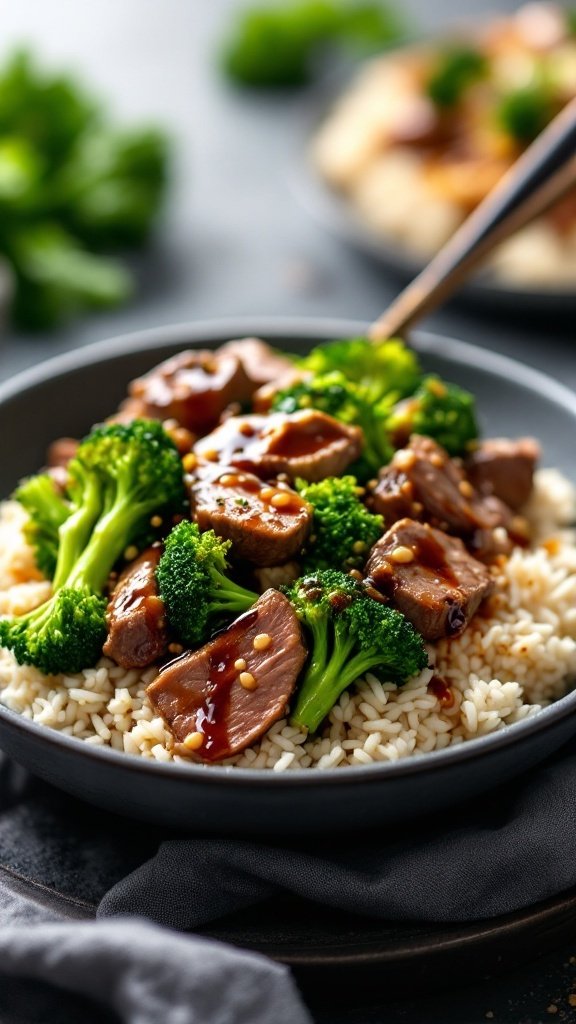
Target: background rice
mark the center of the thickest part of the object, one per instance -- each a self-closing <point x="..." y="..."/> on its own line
<point x="519" y="654"/>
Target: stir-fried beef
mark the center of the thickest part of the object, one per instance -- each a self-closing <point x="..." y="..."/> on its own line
<point x="137" y="632"/>
<point x="60" y="452"/>
<point x="261" y="363"/>
<point x="193" y="388"/>
<point x="504" y="468"/>
<point x="422" y="482"/>
<point x="307" y="444"/>
<point x="263" y="398"/>
<point x="222" y="698"/>
<point x="266" y="523"/>
<point x="428" y="576"/>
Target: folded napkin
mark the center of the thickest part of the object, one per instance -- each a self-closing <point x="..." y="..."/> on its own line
<point x="499" y="853"/>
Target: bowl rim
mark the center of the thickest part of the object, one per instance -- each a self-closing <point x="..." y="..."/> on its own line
<point x="278" y="329"/>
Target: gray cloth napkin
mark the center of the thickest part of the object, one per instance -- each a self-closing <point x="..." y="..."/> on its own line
<point x="505" y="851"/>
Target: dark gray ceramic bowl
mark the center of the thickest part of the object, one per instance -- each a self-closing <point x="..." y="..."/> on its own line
<point x="68" y="394"/>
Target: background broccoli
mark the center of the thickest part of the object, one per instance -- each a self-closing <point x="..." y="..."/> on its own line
<point x="120" y="476"/>
<point x="194" y="585"/>
<point x="332" y="393"/>
<point x="437" y="409"/>
<point x="350" y="634"/>
<point x="47" y="510"/>
<point x="343" y="530"/>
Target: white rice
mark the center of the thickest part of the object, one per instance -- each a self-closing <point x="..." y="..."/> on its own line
<point x="515" y="657"/>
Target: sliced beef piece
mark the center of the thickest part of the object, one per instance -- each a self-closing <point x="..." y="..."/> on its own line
<point x="192" y="388"/>
<point x="266" y="523"/>
<point x="137" y="631"/>
<point x="422" y="482"/>
<point x="261" y="363"/>
<point x="428" y="576"/>
<point x="222" y="698"/>
<point x="504" y="468"/>
<point x="307" y="444"/>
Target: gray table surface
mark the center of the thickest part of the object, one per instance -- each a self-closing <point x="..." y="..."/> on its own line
<point x="235" y="241"/>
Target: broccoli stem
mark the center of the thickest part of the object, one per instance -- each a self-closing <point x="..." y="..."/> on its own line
<point x="75" y="531"/>
<point x="325" y="677"/>
<point x="231" y="597"/>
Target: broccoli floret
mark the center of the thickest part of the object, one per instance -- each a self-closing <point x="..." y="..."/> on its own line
<point x="385" y="370"/>
<point x="437" y="409"/>
<point x="350" y="634"/>
<point x="458" y="68"/>
<point x="343" y="530"/>
<point x="332" y="393"/>
<point x="275" y="47"/>
<point x="525" y="112"/>
<point x="47" y="510"/>
<point x="120" y="476"/>
<point x="194" y="585"/>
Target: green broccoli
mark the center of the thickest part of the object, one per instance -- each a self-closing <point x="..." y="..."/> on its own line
<point x="275" y="47"/>
<point x="350" y="634"/>
<point x="120" y="476"/>
<point x="47" y="510"/>
<point x="332" y="393"/>
<point x="457" y="68"/>
<point x="525" y="112"/>
<point x="194" y="585"/>
<point x="437" y="409"/>
<point x="386" y="370"/>
<point x="343" y="529"/>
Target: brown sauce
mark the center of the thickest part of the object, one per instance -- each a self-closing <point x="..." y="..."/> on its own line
<point x="441" y="690"/>
<point x="429" y="554"/>
<point x="212" y="716"/>
<point x="300" y="439"/>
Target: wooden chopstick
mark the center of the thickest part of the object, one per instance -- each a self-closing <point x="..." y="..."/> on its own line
<point x="541" y="176"/>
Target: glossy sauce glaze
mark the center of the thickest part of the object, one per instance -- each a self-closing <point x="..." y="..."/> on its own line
<point x="276" y="497"/>
<point x="442" y="691"/>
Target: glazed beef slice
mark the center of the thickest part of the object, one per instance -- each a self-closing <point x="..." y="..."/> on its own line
<point x="428" y="576"/>
<point x="505" y="468"/>
<point x="262" y="364"/>
<point x="307" y="444"/>
<point x="137" y="632"/>
<point x="193" y="388"/>
<point x="222" y="698"/>
<point x="266" y="524"/>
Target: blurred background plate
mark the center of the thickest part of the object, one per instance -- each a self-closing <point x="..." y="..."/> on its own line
<point x="336" y="214"/>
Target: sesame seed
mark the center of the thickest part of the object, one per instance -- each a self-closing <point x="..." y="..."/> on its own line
<point x="358" y="547"/>
<point x="211" y="455"/>
<point x="261" y="642"/>
<point x="437" y="388"/>
<point x="175" y="648"/>
<point x="246" y="429"/>
<point x="240" y="664"/>
<point x="189" y="462"/>
<point x="246" y="679"/>
<point x="228" y="480"/>
<point x="466" y="489"/>
<point x="401" y="555"/>
<point x="156" y="521"/>
<point x="267" y="493"/>
<point x="407" y="489"/>
<point x="437" y="460"/>
<point x="281" y="500"/>
<point x="130" y="553"/>
<point x="355" y="574"/>
<point x="194" y="740"/>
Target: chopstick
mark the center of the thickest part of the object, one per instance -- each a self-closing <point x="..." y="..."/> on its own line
<point x="541" y="176"/>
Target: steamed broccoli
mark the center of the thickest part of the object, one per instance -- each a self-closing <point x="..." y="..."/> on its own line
<point x="332" y="393"/>
<point x="276" y="47"/>
<point x="386" y="370"/>
<point x="350" y="634"/>
<point x="47" y="511"/>
<point x="120" y="476"/>
<point x="457" y="68"/>
<point x="525" y="112"/>
<point x="437" y="409"/>
<point x="343" y="529"/>
<point x="193" y="583"/>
